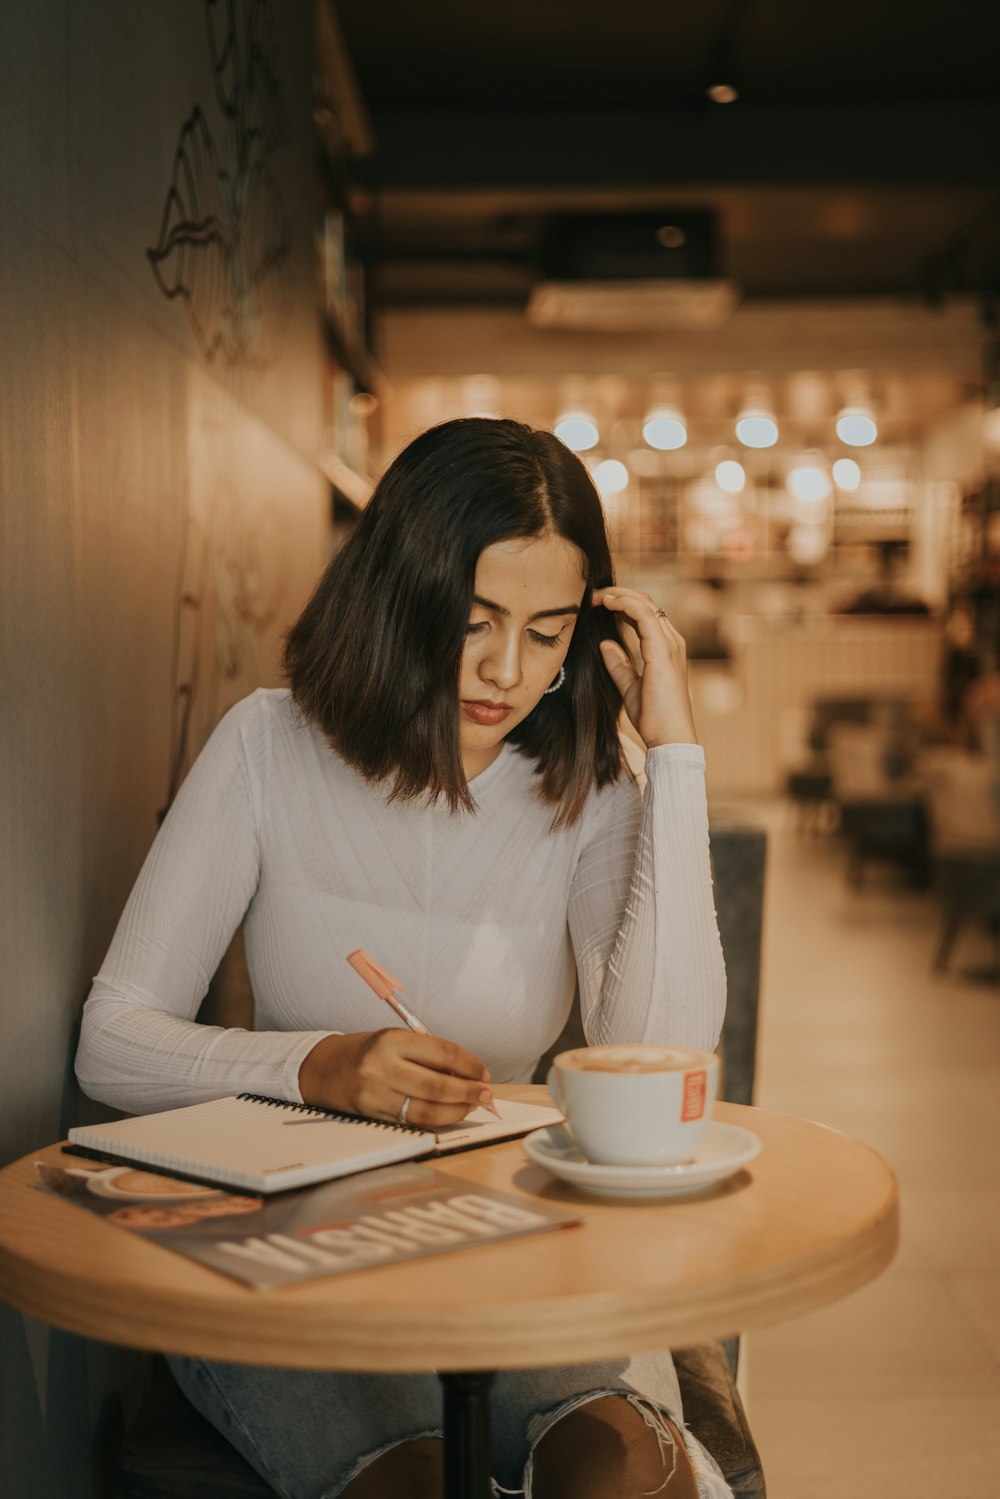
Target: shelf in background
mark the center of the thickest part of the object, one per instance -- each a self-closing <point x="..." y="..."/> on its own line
<point x="354" y="486"/>
<point x="353" y="354"/>
<point x="341" y="114"/>
<point x="343" y="246"/>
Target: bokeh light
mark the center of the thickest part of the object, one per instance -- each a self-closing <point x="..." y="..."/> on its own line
<point x="757" y="429"/>
<point x="856" y="427"/>
<point x="665" y="430"/>
<point x="809" y="483"/>
<point x="847" y="475"/>
<point x="578" y="431"/>
<point x="730" y="476"/>
<point x="611" y="477"/>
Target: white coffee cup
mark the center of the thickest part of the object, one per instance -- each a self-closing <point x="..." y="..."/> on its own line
<point x="635" y="1105"/>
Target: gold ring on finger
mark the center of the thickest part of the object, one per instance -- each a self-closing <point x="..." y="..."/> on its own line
<point x="401" y="1116"/>
<point x="661" y="614"/>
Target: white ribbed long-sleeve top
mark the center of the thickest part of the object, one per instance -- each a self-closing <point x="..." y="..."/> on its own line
<point x="486" y="917"/>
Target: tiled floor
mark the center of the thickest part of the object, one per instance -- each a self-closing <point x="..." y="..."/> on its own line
<point x="893" y="1393"/>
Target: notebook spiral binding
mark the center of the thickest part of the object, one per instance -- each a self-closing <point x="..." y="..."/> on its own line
<point x="308" y="1108"/>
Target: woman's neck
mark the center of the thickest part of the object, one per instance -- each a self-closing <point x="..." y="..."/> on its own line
<point x="475" y="761"/>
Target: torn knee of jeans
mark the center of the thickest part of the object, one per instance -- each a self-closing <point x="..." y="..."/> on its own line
<point x="367" y="1458"/>
<point x="708" y="1475"/>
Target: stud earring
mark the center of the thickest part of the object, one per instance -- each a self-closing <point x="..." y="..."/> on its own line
<point x="560" y="679"/>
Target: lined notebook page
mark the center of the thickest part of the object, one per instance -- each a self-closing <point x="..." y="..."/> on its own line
<point x="252" y="1143"/>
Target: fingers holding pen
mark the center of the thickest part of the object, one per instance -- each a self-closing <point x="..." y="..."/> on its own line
<point x="372" y="1072"/>
<point x="441" y="1080"/>
<point x="435" y="1073"/>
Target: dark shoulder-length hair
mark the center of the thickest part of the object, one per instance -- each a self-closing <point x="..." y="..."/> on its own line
<point x="374" y="660"/>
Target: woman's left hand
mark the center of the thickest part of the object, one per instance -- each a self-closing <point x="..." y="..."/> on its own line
<point x="657" y="701"/>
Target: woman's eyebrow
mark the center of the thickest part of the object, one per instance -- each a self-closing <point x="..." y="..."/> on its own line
<point x="541" y="614"/>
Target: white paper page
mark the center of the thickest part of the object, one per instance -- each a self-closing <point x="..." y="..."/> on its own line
<point x="480" y="1127"/>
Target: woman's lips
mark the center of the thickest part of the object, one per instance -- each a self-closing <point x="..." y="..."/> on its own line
<point x="485" y="712"/>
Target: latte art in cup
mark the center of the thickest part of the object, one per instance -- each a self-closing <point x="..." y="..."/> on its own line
<point x="627" y="1059"/>
<point x="636" y="1105"/>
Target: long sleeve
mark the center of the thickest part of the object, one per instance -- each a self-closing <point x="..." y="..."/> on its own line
<point x="140" y="1046"/>
<point x="642" y="915"/>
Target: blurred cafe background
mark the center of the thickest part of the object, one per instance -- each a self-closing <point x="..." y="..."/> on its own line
<point x="744" y="257"/>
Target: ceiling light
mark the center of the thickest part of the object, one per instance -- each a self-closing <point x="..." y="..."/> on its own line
<point x="665" y="430"/>
<point x="847" y="475"/>
<point x="856" y="427"/>
<point x="809" y="483"/>
<point x="578" y="431"/>
<point x="730" y="476"/>
<point x="722" y="88"/>
<point x="757" y="429"/>
<point x="611" y="477"/>
<point x="671" y="236"/>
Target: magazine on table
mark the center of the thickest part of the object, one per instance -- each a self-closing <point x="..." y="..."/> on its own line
<point x="379" y="1217"/>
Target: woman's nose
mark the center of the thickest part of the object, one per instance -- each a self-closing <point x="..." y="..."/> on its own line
<point x="503" y="665"/>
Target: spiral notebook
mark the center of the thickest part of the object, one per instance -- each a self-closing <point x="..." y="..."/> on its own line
<point x="266" y="1145"/>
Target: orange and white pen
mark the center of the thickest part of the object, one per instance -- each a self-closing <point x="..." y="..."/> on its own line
<point x="384" y="985"/>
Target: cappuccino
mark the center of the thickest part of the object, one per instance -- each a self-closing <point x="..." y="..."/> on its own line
<point x="629" y="1059"/>
<point x="635" y="1105"/>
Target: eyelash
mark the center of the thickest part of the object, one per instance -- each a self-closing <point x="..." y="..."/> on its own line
<point x="536" y="635"/>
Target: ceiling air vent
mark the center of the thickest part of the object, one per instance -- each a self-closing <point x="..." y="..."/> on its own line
<point x="634" y="273"/>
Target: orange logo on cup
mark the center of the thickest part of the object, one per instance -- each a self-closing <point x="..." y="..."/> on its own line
<point x="694" y="1095"/>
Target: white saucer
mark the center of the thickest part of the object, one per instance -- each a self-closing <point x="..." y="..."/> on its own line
<point x="723" y="1150"/>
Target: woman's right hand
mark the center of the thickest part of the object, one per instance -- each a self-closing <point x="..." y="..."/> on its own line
<point x="372" y="1072"/>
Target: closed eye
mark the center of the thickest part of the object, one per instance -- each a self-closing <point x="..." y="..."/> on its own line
<point x="538" y="636"/>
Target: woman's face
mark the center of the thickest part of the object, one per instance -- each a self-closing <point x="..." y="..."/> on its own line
<point x="528" y="592"/>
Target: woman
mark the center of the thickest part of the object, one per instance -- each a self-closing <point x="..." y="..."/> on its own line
<point x="443" y="785"/>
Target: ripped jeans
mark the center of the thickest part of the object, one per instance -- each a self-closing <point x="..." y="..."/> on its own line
<point x="309" y="1433"/>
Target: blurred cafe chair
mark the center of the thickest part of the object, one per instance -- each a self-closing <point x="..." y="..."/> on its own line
<point x="172" y="1452"/>
<point x="856" y="756"/>
<point x="963" y="802"/>
<point x="808" y="783"/>
<point x="827" y="711"/>
<point x="981" y="713"/>
<point x="845" y="750"/>
<point x="882" y="813"/>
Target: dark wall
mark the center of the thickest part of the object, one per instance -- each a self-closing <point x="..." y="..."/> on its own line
<point x="161" y="520"/>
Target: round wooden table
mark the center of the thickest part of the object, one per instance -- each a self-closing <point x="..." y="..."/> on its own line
<point x="812" y="1218"/>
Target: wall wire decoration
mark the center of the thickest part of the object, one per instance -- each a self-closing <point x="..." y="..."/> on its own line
<point x="231" y="581"/>
<point x="224" y="241"/>
<point x="224" y="234"/>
